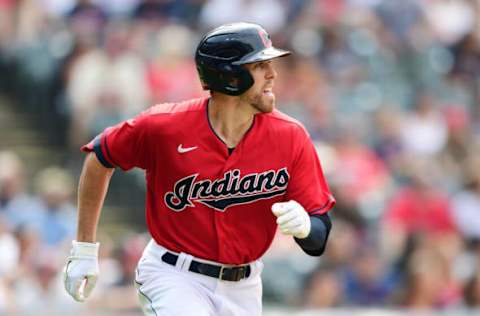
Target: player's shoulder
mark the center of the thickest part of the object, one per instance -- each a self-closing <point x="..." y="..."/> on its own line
<point x="179" y="108"/>
<point x="283" y="122"/>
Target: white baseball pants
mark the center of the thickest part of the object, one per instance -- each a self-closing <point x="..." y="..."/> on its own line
<point x="164" y="289"/>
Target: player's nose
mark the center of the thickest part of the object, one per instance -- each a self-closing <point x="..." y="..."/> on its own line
<point x="271" y="72"/>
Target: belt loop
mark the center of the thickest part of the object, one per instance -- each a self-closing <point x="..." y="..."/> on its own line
<point x="188" y="262"/>
<point x="180" y="261"/>
<point x="184" y="261"/>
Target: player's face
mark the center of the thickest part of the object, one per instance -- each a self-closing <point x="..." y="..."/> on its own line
<point x="260" y="96"/>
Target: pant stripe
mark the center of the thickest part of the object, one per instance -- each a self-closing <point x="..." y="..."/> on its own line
<point x="144" y="295"/>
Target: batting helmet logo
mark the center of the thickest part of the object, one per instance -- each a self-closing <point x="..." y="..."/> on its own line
<point x="267" y="42"/>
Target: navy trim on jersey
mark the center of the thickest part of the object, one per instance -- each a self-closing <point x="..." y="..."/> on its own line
<point x="210" y="124"/>
<point x="215" y="133"/>
<point x="321" y="208"/>
<point x="97" y="148"/>
<point x="107" y="150"/>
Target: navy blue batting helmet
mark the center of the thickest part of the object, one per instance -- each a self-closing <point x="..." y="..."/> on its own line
<point x="222" y="52"/>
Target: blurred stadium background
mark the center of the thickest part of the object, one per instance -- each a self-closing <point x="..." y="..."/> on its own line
<point x="389" y="91"/>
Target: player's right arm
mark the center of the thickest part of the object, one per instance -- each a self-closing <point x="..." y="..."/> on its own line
<point x="126" y="146"/>
<point x="81" y="270"/>
<point x="92" y="190"/>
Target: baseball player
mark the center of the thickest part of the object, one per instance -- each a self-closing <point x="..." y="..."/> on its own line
<point x="222" y="173"/>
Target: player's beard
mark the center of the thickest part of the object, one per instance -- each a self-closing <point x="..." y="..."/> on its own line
<point x="262" y="102"/>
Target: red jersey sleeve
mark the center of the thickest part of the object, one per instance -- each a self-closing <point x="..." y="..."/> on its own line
<point x="307" y="184"/>
<point x="123" y="145"/>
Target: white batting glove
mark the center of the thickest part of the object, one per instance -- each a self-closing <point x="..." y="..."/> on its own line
<point x="81" y="271"/>
<point x="292" y="219"/>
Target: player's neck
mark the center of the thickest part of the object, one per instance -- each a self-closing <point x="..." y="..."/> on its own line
<point x="229" y="118"/>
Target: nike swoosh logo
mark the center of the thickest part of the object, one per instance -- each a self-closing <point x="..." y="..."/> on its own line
<point x="182" y="150"/>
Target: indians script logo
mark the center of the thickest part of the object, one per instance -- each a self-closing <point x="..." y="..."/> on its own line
<point x="232" y="189"/>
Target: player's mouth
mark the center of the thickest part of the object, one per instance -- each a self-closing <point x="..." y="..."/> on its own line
<point x="268" y="91"/>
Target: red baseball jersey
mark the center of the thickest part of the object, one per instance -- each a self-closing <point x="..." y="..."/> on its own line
<point x="201" y="199"/>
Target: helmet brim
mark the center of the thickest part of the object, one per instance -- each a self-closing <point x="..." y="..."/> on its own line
<point x="265" y="54"/>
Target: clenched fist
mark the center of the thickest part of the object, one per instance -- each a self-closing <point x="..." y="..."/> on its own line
<point x="81" y="271"/>
<point x="292" y="219"/>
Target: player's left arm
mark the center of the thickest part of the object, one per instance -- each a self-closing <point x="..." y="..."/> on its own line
<point x="305" y="216"/>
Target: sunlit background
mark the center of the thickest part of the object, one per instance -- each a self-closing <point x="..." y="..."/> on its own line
<point x="388" y="89"/>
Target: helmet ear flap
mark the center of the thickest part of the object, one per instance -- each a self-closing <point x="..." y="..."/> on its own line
<point x="223" y="76"/>
<point x="236" y="79"/>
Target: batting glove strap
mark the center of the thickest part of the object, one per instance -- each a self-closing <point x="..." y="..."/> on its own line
<point x="84" y="249"/>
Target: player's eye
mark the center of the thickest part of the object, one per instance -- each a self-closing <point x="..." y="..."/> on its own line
<point x="261" y="65"/>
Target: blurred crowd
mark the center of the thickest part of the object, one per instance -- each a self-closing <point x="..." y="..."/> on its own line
<point x="389" y="91"/>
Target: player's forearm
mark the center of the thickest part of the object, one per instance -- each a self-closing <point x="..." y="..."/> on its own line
<point x="314" y="244"/>
<point x="92" y="189"/>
